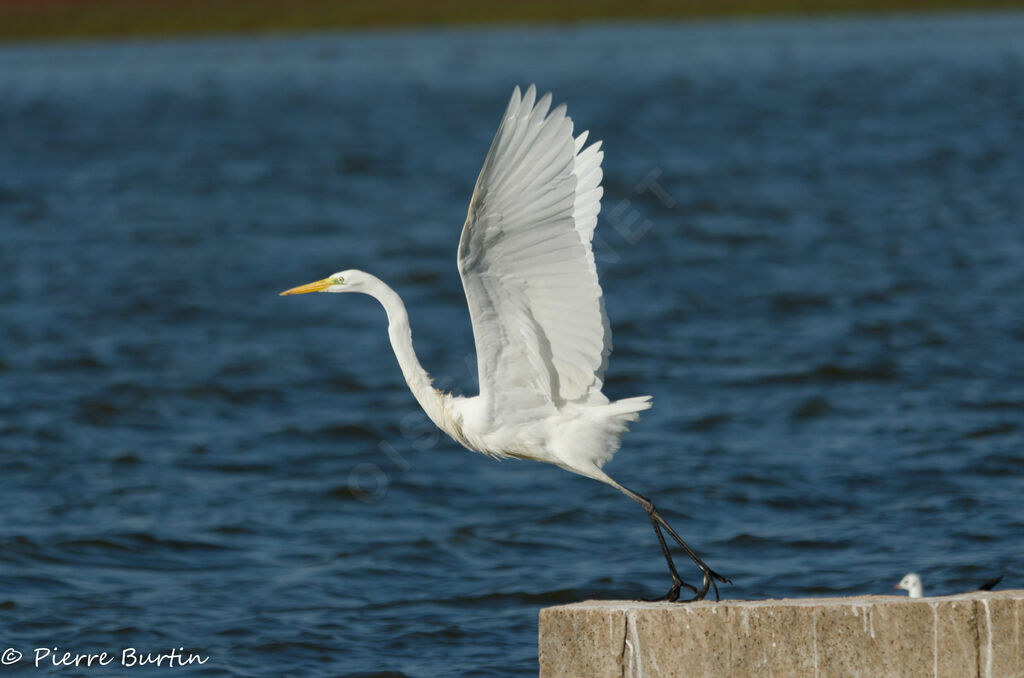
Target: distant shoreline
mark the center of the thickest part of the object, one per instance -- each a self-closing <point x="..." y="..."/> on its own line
<point x="49" y="19"/>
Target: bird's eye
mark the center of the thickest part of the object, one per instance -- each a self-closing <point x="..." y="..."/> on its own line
<point x="338" y="280"/>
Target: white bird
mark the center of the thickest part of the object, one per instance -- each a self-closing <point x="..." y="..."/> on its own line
<point x="542" y="336"/>
<point x="911" y="583"/>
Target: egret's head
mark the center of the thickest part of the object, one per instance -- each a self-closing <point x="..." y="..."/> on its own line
<point x="342" y="281"/>
<point x="912" y="584"/>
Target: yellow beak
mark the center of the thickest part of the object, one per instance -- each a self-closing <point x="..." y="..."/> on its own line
<point x="318" y="286"/>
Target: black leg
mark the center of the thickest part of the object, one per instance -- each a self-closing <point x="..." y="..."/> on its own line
<point x="658" y="522"/>
<point x="677" y="582"/>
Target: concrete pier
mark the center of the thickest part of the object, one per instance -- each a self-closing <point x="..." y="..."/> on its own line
<point x="978" y="634"/>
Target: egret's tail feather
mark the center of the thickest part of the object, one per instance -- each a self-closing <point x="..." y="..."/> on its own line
<point x="629" y="409"/>
<point x="596" y="445"/>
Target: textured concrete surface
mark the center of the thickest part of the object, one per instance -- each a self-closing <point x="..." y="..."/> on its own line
<point x="976" y="634"/>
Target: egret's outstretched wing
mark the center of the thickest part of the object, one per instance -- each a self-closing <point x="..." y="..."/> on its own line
<point x="542" y="336"/>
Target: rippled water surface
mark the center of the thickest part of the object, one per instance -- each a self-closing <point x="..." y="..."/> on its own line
<point x="821" y="284"/>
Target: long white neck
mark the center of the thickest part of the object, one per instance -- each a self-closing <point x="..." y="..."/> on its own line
<point x="429" y="398"/>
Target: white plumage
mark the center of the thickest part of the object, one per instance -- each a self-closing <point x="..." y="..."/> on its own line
<point x="541" y="332"/>
<point x="911" y="583"/>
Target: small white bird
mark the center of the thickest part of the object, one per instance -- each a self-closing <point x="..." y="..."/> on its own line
<point x="539" y="323"/>
<point x="912" y="584"/>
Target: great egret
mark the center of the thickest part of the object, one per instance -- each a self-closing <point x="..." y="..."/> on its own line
<point x="539" y="323"/>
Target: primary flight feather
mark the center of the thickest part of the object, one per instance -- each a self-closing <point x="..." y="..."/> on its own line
<point x="541" y="332"/>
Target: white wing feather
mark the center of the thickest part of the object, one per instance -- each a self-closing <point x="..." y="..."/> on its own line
<point x="542" y="335"/>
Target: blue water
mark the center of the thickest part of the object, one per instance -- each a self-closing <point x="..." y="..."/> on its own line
<point x="819" y="279"/>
